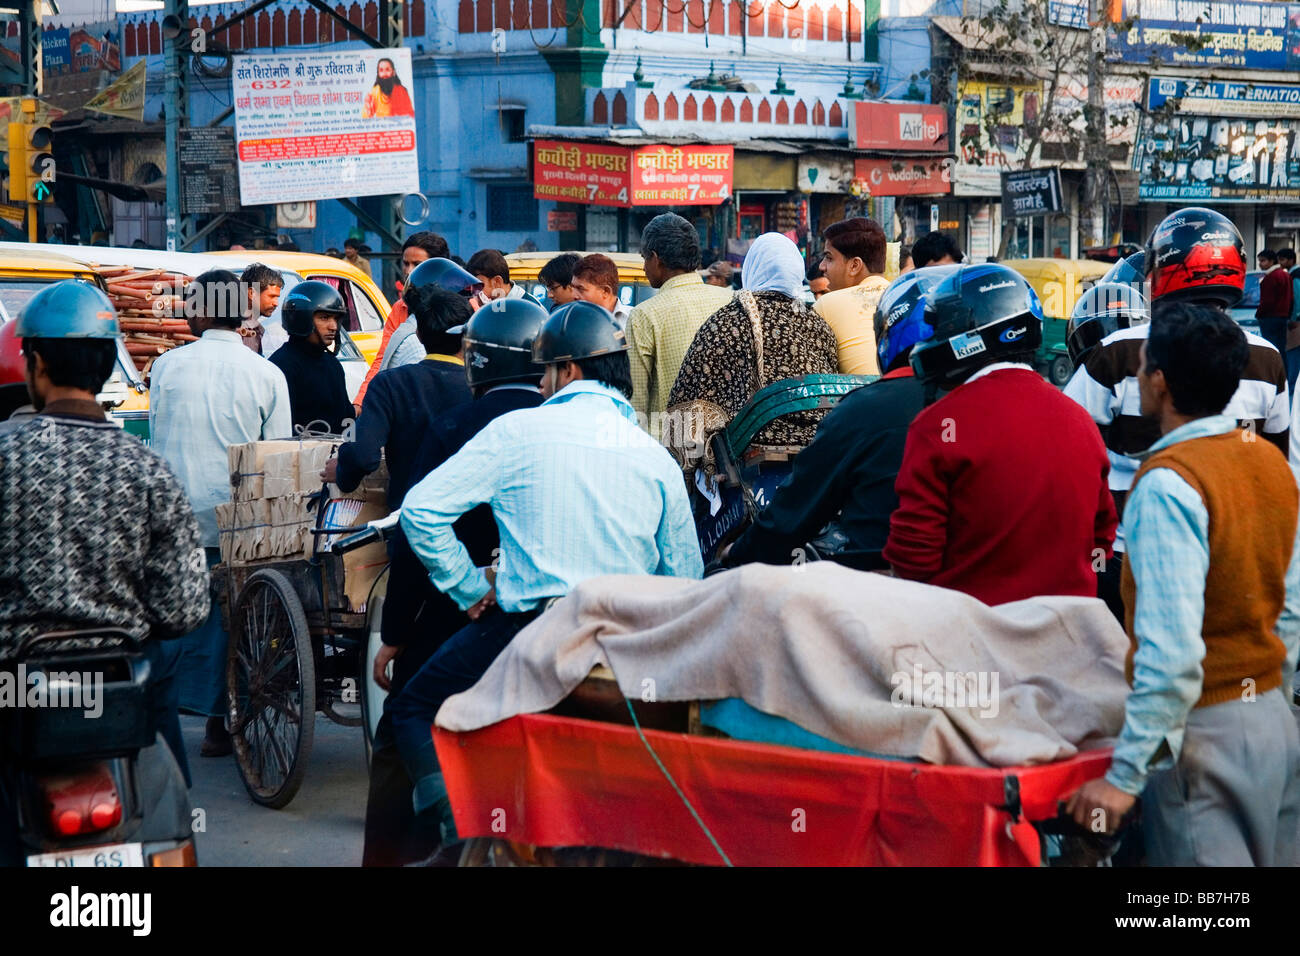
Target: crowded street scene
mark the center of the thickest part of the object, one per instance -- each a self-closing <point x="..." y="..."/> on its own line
<point x="650" y="434"/>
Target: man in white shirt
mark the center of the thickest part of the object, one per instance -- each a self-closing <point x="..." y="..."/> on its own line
<point x="203" y="398"/>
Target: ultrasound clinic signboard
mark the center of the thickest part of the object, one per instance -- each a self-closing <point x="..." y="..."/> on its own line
<point x="1031" y="192"/>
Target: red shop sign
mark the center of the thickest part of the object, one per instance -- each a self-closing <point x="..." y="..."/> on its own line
<point x="905" y="177"/>
<point x="911" y="126"/>
<point x="620" y="176"/>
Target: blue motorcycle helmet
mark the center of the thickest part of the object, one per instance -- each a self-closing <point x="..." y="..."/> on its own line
<point x="900" y="314"/>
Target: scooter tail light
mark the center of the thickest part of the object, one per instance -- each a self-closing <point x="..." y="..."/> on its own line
<point x="82" y="802"/>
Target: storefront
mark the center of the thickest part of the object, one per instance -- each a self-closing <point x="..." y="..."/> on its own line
<point x="609" y="191"/>
<point x="1231" y="145"/>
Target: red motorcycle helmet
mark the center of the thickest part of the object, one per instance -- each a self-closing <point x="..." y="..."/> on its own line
<point x="13" y="367"/>
<point x="1196" y="255"/>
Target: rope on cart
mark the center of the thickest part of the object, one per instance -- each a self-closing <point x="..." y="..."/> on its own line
<point x="664" y="770"/>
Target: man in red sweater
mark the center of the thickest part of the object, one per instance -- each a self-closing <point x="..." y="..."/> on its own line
<point x="1274" y="300"/>
<point x="1002" y="492"/>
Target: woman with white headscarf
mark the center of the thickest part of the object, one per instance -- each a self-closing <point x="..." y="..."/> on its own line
<point x="761" y="336"/>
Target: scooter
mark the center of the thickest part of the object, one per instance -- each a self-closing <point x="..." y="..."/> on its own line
<point x="84" y="772"/>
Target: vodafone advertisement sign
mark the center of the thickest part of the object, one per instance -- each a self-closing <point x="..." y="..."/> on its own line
<point x="905" y="177"/>
<point x="899" y="126"/>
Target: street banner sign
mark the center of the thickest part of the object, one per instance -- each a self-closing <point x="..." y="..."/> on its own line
<point x="314" y="126"/>
<point x="124" y="97"/>
<point x="1031" y="192"/>
<point x="599" y="175"/>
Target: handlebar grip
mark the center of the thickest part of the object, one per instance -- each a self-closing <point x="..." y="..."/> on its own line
<point x="358" y="540"/>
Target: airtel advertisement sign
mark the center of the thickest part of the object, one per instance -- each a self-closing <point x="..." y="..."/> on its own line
<point x="905" y="177"/>
<point x="899" y="126"/>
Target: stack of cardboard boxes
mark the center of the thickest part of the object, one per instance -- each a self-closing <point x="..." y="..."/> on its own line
<point x="272" y="515"/>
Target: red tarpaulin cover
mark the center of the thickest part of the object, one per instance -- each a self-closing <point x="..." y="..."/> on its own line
<point x="560" y="781"/>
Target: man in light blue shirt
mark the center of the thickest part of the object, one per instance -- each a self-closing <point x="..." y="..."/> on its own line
<point x="1212" y="593"/>
<point x="577" y="490"/>
<point x="203" y="398"/>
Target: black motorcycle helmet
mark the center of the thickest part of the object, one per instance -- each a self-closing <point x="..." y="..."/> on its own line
<point x="1196" y="255"/>
<point x="575" y="331"/>
<point x="980" y="314"/>
<point x="443" y="273"/>
<point x="499" y="343"/>
<point x="1103" y="309"/>
<point x="299" y="307"/>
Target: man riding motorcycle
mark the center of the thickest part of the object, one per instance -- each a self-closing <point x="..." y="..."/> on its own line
<point x="577" y="490"/>
<point x="500" y="373"/>
<point x="95" y="531"/>
<point x="1193" y="255"/>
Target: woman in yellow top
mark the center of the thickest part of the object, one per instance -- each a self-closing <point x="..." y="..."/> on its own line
<point x="854" y="262"/>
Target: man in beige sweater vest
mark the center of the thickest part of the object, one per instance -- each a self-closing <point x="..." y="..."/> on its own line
<point x="1212" y="605"/>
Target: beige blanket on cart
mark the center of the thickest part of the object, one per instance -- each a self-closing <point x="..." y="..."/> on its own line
<point x="869" y="661"/>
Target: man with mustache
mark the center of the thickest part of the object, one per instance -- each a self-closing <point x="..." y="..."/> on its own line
<point x="388" y="97"/>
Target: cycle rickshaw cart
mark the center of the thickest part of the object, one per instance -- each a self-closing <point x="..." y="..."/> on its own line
<point x="298" y="646"/>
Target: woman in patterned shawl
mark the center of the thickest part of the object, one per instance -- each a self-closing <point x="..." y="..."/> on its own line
<point x="763" y="335"/>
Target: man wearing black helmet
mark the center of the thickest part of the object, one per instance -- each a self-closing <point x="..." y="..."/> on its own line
<point x="1002" y="492"/>
<point x="577" y="490"/>
<point x="317" y="390"/>
<point x="1194" y="255"/>
<point x="405" y="401"/>
<point x="497" y="349"/>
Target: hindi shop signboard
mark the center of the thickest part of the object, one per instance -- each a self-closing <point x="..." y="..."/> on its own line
<point x="912" y="126"/>
<point x="905" y="177"/>
<point x="1251" y="35"/>
<point x="1031" y="192"/>
<point x="314" y="126"/>
<point x="599" y="175"/>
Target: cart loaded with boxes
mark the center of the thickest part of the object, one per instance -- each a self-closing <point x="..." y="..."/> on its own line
<point x="299" y="611"/>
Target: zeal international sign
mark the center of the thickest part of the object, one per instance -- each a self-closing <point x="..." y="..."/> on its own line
<point x="600" y="175"/>
<point x="324" y="125"/>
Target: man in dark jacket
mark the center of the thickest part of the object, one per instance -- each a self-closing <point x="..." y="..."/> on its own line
<point x="403" y="403"/>
<point x="498" y="367"/>
<point x="317" y="390"/>
<point x="845" y="478"/>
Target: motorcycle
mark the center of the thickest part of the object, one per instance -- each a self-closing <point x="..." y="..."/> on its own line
<point x="85" y="776"/>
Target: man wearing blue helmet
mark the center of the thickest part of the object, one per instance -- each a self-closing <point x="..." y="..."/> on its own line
<point x="95" y="529"/>
<point x="845" y="477"/>
<point x="1002" y="491"/>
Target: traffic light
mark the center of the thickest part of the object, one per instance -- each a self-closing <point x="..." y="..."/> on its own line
<point x="31" y="162"/>
<point x="39" y="166"/>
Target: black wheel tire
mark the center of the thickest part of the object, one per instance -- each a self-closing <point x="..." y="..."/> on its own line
<point x="269" y="633"/>
<point x="1059" y="370"/>
<point x="371" y="694"/>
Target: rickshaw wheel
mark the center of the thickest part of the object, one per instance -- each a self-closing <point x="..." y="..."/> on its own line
<point x="271" y="688"/>
<point x="372" y="695"/>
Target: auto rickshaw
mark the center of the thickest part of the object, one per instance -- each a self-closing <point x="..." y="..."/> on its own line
<point x="1059" y="283"/>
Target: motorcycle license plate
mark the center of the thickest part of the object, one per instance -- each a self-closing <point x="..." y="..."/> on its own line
<point x="112" y="855"/>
